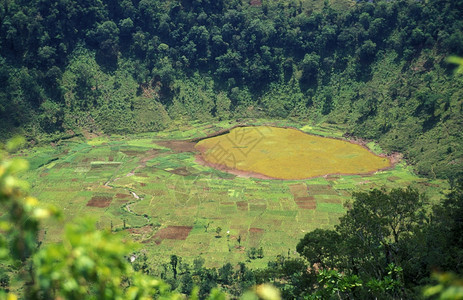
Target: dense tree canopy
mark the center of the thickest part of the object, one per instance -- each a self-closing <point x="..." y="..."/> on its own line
<point x="56" y="59"/>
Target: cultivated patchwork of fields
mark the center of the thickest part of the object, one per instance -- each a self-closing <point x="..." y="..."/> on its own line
<point x="150" y="187"/>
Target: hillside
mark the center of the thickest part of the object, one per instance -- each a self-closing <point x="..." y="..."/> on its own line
<point x="132" y="66"/>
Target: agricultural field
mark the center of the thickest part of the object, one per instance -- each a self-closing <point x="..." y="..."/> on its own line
<point x="151" y="188"/>
<point x="287" y="153"/>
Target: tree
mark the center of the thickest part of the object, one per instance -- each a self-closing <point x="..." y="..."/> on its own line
<point x="106" y="31"/>
<point x="319" y="247"/>
<point x="225" y="274"/>
<point x="367" y="51"/>
<point x="333" y="284"/>
<point x="446" y="241"/>
<point x="229" y="65"/>
<point x="187" y="283"/>
<point x="380" y="229"/>
<point x="251" y="253"/>
<point x="173" y="263"/>
<point x="310" y="67"/>
<point x="222" y="107"/>
<point x="365" y="20"/>
<point x="218" y="230"/>
<point x="52" y="116"/>
<point x="198" y="264"/>
<point x="106" y="36"/>
<point x="206" y="226"/>
<point x="126" y="26"/>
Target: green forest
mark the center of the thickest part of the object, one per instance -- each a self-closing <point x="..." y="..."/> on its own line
<point x="77" y="76"/>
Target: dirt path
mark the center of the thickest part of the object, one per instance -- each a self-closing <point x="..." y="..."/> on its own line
<point x="150" y="155"/>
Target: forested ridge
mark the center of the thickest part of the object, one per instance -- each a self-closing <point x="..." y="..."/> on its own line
<point x="377" y="67"/>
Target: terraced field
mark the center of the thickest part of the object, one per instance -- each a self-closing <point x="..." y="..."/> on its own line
<point x="151" y="187"/>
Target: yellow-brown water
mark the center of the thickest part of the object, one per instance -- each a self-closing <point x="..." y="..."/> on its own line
<point x="287" y="153"/>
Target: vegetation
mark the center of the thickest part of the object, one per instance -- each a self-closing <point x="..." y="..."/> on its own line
<point x="287" y="153"/>
<point x="85" y="264"/>
<point x="384" y="246"/>
<point x="110" y="96"/>
<point x="259" y="231"/>
<point x="133" y="66"/>
<point x="181" y="203"/>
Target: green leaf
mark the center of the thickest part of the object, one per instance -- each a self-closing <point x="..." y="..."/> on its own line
<point x="457" y="61"/>
<point x="15" y="143"/>
<point x="433" y="290"/>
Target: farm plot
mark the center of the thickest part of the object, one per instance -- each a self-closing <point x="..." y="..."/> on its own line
<point x="286" y="153"/>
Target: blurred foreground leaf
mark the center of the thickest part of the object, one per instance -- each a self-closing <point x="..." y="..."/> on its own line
<point x="457" y="61"/>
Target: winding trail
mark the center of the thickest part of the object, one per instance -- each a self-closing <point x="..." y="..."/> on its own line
<point x="126" y="206"/>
